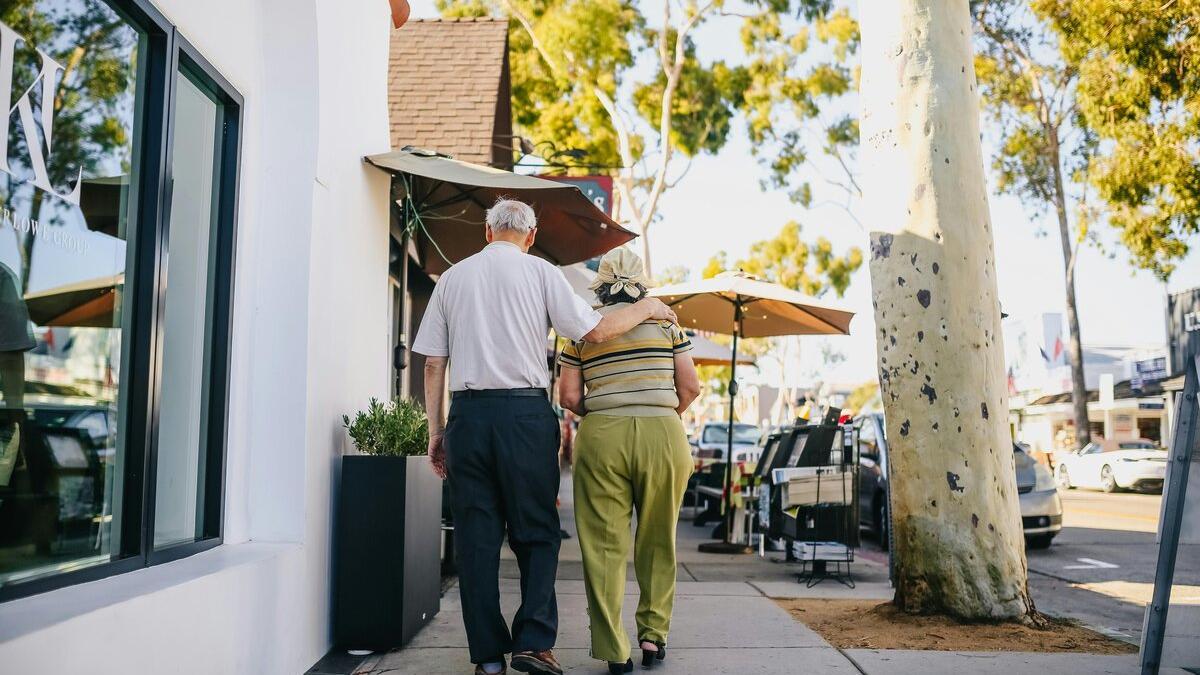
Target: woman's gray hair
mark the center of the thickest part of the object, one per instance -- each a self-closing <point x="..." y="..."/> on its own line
<point x="511" y="215"/>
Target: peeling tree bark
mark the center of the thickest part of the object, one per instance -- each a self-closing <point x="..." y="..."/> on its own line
<point x="957" y="532"/>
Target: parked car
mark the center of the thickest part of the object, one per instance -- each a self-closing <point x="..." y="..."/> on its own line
<point x="713" y="441"/>
<point x="1041" y="507"/>
<point x="1112" y="465"/>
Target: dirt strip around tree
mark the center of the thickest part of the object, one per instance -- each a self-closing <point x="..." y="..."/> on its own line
<point x="869" y="624"/>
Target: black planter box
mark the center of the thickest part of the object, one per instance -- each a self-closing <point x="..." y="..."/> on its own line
<point x="387" y="551"/>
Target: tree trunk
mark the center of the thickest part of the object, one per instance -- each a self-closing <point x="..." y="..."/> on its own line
<point x="645" y="237"/>
<point x="1083" y="434"/>
<point x="957" y="533"/>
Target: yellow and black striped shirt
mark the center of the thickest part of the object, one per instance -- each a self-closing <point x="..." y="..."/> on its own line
<point x="632" y="375"/>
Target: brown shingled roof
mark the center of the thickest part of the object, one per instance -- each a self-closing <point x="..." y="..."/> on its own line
<point x="448" y="89"/>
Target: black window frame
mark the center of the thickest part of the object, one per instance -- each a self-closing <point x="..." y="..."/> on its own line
<point x="167" y="54"/>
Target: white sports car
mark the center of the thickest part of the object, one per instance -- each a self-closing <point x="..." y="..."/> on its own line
<point x="1112" y="465"/>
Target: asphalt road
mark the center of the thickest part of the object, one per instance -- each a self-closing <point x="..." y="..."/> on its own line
<point x="1100" y="568"/>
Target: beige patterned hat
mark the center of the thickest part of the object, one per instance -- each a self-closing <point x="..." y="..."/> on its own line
<point x="621" y="270"/>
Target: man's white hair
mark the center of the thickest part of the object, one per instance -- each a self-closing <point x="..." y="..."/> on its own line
<point x="511" y="215"/>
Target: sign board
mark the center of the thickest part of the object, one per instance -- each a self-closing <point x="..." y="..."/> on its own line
<point x="1149" y="370"/>
<point x="1183" y="329"/>
<point x="599" y="189"/>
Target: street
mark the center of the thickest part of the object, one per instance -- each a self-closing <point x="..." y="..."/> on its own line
<point x="1100" y="568"/>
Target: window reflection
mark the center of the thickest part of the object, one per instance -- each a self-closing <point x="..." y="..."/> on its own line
<point x="64" y="205"/>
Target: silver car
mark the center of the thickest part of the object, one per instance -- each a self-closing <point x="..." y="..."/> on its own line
<point x="1041" y="507"/>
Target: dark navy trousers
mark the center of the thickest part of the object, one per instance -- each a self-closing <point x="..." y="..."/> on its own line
<point x="502" y="457"/>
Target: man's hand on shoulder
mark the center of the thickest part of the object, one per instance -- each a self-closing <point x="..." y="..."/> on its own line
<point x="659" y="311"/>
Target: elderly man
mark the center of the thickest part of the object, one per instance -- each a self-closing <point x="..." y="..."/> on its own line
<point x="488" y="318"/>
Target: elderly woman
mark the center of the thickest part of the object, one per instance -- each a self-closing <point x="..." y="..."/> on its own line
<point x="631" y="453"/>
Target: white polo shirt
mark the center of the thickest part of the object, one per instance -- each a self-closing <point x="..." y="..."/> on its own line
<point x="491" y="314"/>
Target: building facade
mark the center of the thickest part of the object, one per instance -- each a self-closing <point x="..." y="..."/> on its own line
<point x="193" y="293"/>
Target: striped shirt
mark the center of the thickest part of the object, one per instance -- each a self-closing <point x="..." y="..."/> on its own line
<point x="632" y="375"/>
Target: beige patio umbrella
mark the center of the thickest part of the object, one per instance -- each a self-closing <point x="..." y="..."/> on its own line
<point x="737" y="304"/>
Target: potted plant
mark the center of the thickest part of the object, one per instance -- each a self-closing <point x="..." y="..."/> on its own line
<point x="387" y="555"/>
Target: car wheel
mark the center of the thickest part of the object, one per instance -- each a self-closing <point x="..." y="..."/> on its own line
<point x="1064" y="478"/>
<point x="1108" y="482"/>
<point x="1038" y="541"/>
<point x="881" y="522"/>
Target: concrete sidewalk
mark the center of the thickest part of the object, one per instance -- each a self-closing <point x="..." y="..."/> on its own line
<point x="725" y="622"/>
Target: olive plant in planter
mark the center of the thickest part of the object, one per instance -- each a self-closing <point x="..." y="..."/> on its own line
<point x="387" y="557"/>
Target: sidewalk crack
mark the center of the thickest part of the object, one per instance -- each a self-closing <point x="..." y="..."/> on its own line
<point x="851" y="660"/>
<point x="689" y="571"/>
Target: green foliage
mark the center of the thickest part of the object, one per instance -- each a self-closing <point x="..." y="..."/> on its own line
<point x="1138" y="93"/>
<point x="865" y="396"/>
<point x="786" y="259"/>
<point x="704" y="105"/>
<point x="580" y="81"/>
<point x="558" y="106"/>
<point x="789" y="88"/>
<point x="397" y="428"/>
<point x="1103" y="96"/>
<point x="1027" y="91"/>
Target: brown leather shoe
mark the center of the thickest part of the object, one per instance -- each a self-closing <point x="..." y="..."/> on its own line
<point x="480" y="671"/>
<point x="536" y="662"/>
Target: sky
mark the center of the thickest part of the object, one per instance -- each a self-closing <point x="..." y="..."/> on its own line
<point x="720" y="206"/>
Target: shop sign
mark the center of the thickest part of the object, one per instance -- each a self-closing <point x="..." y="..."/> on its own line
<point x="30" y="126"/>
<point x="1149" y="370"/>
<point x="599" y="189"/>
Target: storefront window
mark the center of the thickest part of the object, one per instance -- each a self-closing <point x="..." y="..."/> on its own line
<point x="117" y="204"/>
<point x="182" y="426"/>
<point x="70" y="73"/>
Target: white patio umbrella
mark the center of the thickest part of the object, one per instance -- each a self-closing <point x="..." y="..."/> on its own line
<point x="737" y="304"/>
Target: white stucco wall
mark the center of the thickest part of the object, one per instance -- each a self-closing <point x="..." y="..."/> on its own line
<point x="310" y="342"/>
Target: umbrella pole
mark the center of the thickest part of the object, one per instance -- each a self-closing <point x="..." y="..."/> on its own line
<point x="727" y="546"/>
<point x="400" y="356"/>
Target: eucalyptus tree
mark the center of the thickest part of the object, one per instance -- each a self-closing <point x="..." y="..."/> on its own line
<point x="956" y="536"/>
<point x="1029" y="94"/>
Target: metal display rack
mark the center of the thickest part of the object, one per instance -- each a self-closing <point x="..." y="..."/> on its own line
<point x="805" y="466"/>
<point x="814" y="555"/>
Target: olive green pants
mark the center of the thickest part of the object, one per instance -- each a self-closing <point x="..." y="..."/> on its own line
<point x="623" y="464"/>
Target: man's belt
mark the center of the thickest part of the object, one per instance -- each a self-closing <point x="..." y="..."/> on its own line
<point x="498" y="393"/>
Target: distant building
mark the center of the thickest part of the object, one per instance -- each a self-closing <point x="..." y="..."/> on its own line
<point x="1040" y="398"/>
<point x="1048" y="422"/>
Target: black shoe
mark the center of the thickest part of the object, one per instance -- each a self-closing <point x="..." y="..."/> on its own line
<point x="650" y="656"/>
<point x="619" y="668"/>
